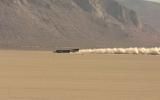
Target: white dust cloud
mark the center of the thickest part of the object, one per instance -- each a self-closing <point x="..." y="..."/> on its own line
<point x="137" y="51"/>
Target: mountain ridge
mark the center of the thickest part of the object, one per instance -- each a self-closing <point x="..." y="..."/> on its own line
<point x="148" y="11"/>
<point x="46" y="24"/>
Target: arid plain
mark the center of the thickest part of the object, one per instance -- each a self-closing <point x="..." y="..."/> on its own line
<point x="43" y="75"/>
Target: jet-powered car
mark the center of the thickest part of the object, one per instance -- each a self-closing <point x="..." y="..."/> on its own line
<point x="67" y="50"/>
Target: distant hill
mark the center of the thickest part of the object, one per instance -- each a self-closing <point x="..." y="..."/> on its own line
<point x="148" y="10"/>
<point x="46" y="24"/>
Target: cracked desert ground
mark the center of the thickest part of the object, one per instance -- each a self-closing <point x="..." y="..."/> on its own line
<point x="43" y="75"/>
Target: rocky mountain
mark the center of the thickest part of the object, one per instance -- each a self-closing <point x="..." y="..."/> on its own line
<point x="46" y="24"/>
<point x="148" y="10"/>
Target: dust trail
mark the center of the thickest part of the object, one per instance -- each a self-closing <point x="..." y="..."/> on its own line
<point x="135" y="50"/>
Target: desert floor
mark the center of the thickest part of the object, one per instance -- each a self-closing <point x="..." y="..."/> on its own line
<point x="38" y="75"/>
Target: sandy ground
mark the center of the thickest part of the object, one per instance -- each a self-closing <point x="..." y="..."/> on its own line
<point x="32" y="75"/>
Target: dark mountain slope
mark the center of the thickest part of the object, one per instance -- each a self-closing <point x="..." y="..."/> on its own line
<point x="45" y="24"/>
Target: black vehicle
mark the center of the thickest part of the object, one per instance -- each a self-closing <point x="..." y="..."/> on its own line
<point x="67" y="50"/>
